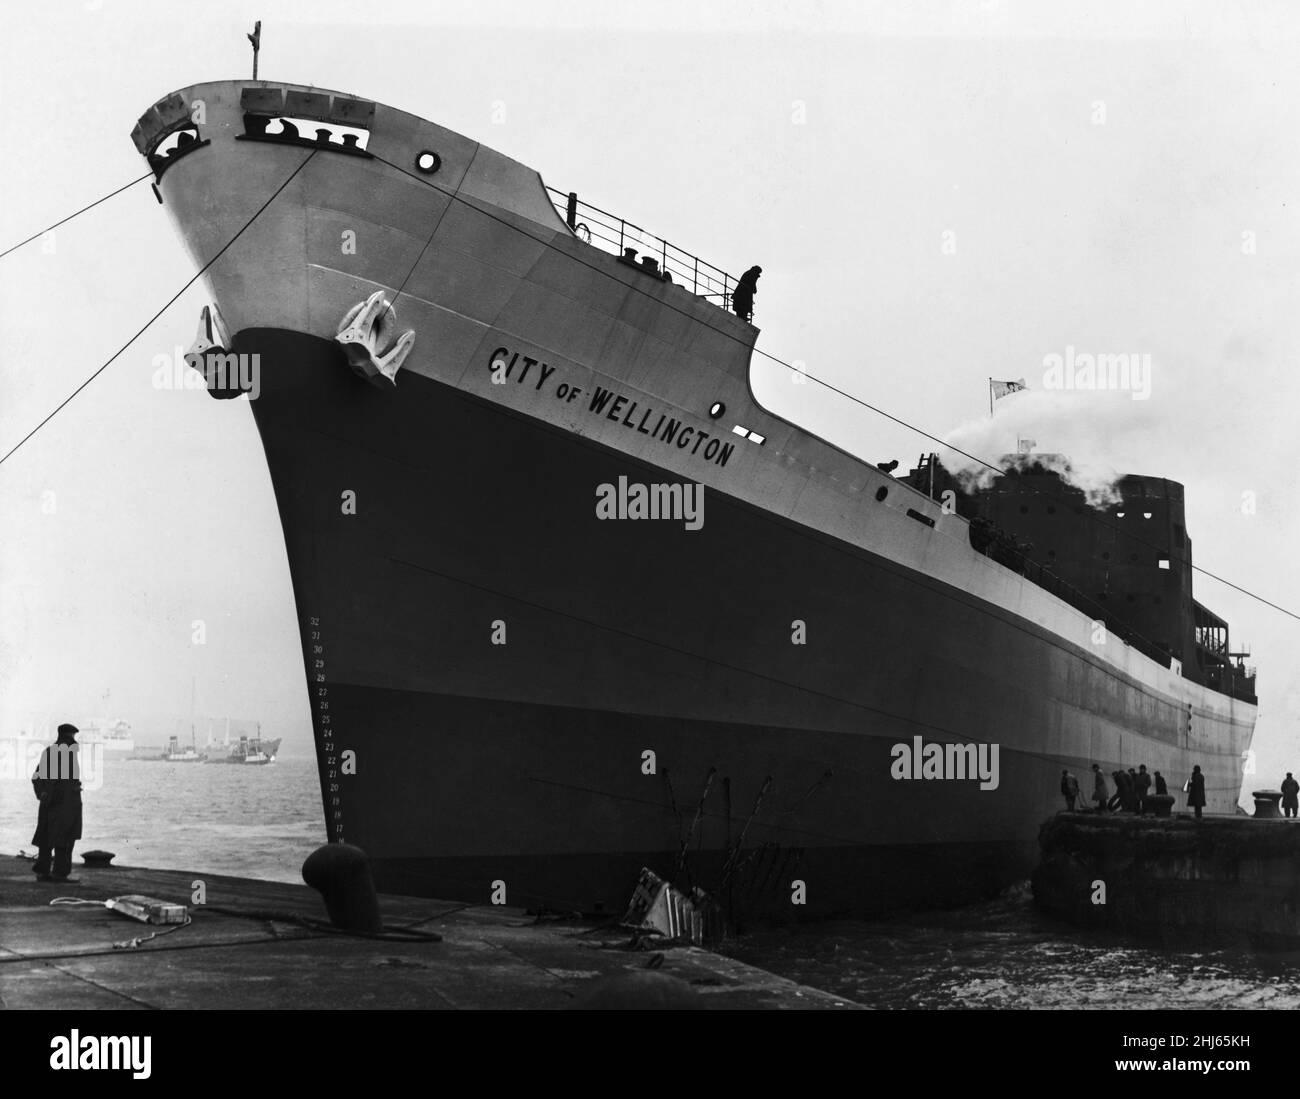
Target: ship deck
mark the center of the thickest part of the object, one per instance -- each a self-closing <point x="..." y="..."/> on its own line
<point x="63" y="957"/>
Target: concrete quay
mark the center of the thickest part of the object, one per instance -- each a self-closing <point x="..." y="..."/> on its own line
<point x="64" y="956"/>
<point x="1222" y="880"/>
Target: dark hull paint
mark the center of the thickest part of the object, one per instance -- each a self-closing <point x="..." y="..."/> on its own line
<point x="522" y="763"/>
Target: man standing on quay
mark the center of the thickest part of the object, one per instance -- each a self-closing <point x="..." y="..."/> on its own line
<point x="1099" y="791"/>
<point x="57" y="783"/>
<point x="1290" y="788"/>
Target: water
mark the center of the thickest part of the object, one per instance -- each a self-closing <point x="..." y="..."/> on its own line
<point x="250" y="821"/>
<point x="261" y="822"/>
<point x="1005" y="954"/>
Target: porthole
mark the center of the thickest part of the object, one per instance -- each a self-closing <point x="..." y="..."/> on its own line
<point x="716" y="409"/>
<point x="881" y="492"/>
<point x="428" y="162"/>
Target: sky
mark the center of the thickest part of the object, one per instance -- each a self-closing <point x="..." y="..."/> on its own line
<point x="938" y="194"/>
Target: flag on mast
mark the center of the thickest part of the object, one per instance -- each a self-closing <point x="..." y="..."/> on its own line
<point x="1005" y="389"/>
<point x="998" y="390"/>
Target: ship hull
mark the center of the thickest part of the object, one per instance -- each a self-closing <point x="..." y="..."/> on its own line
<point x="513" y="698"/>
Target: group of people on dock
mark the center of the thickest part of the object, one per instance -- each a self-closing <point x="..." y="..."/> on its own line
<point x="1133" y="790"/>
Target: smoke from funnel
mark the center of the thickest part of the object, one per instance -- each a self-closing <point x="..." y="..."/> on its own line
<point x="1091" y="439"/>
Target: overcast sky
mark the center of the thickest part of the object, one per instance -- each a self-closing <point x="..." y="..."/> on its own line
<point x="937" y="194"/>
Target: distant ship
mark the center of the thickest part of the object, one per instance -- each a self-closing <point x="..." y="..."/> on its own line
<point x="255" y="749"/>
<point x="836" y="693"/>
<point x="174" y="753"/>
<point x="245" y="744"/>
<point x="110" y="735"/>
<point x="114" y="736"/>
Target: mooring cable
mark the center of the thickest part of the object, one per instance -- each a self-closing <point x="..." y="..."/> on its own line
<point x="399" y="934"/>
<point x="195" y="278"/>
<point x="64" y="221"/>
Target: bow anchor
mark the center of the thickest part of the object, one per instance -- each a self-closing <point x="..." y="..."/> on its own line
<point x="368" y="338"/>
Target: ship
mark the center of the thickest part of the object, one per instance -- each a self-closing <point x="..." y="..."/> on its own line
<point x="174" y="753"/>
<point x="114" y="735"/>
<point x="108" y="735"/>
<point x="249" y="750"/>
<point x="572" y="603"/>
<point x="245" y="744"/>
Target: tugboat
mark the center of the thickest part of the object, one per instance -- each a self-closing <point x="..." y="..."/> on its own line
<point x="251" y="749"/>
<point x="174" y="753"/>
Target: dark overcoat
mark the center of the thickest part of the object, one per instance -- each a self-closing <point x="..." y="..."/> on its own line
<point x="1196" y="791"/>
<point x="57" y="784"/>
<point x="1290" y="788"/>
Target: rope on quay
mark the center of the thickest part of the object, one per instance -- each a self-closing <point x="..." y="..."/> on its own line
<point x="408" y="933"/>
<point x="125" y="944"/>
<point x="405" y="934"/>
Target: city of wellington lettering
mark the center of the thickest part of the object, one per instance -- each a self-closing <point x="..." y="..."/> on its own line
<point x="515" y="367"/>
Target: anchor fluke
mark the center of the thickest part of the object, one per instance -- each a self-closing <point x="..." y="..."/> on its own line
<point x="367" y="336"/>
<point x="210" y="355"/>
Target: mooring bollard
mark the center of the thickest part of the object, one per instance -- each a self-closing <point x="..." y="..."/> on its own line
<point x="340" y="873"/>
<point x="1266" y="803"/>
<point x="1160" y="804"/>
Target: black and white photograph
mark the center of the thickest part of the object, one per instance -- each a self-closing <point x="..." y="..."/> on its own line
<point x="778" y="507"/>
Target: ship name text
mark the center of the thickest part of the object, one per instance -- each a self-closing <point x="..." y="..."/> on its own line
<point x="513" y="366"/>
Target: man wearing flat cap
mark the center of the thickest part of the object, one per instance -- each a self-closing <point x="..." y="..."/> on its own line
<point x="57" y="783"/>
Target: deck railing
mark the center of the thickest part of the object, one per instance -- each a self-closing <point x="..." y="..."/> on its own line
<point x="616" y="235"/>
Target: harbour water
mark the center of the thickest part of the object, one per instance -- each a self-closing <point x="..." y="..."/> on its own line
<point x="1004" y="954"/>
<point x="251" y="821"/>
<point x="261" y="822"/>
